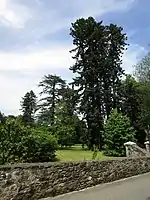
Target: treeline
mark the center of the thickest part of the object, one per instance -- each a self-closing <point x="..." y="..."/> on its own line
<point x="101" y="108"/>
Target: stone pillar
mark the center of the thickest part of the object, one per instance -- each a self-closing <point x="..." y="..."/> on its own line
<point x="128" y="146"/>
<point x="147" y="145"/>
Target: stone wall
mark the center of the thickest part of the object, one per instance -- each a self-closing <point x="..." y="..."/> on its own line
<point x="36" y="181"/>
<point x="133" y="150"/>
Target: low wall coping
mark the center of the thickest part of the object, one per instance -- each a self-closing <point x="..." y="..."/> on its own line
<point x="129" y="143"/>
<point x="50" y="164"/>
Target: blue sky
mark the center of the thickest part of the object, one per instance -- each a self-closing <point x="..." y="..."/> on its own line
<point x="34" y="39"/>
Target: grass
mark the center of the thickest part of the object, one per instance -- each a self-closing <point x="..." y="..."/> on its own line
<point x="76" y="153"/>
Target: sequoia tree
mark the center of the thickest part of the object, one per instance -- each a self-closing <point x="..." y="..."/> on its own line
<point x="97" y="56"/>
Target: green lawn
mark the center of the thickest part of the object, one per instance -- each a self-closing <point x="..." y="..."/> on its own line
<point x="76" y="153"/>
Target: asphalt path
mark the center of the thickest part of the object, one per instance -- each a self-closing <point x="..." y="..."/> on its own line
<point x="134" y="188"/>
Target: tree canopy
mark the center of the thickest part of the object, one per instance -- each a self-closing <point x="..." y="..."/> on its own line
<point x="101" y="107"/>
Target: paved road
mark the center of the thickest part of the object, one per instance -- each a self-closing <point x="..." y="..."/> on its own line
<point x="137" y="188"/>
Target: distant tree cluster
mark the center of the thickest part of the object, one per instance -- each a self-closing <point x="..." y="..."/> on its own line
<point x="102" y="107"/>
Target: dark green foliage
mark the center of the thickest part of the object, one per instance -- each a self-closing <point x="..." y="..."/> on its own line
<point x="69" y="96"/>
<point x="97" y="55"/>
<point x="68" y="126"/>
<point x="52" y="89"/>
<point x="117" y="131"/>
<point x="130" y="99"/>
<point x="65" y="125"/>
<point x="131" y="105"/>
<point x="81" y="131"/>
<point x="2" y="118"/>
<point x="144" y="117"/>
<point x="23" y="144"/>
<point x="98" y="109"/>
<point x="28" y="107"/>
<point x="142" y="72"/>
<point x="41" y="147"/>
<point x="59" y="109"/>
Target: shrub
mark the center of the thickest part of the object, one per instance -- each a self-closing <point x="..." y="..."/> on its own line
<point x="41" y="147"/>
<point x="117" y="131"/>
<point x="23" y="144"/>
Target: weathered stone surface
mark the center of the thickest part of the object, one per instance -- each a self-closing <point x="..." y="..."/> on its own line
<point x="133" y="150"/>
<point x="36" y="181"/>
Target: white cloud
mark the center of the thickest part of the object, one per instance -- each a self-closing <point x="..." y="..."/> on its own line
<point x="56" y="56"/>
<point x="98" y="7"/>
<point x="13" y="14"/>
<point x="58" y="15"/>
<point x="21" y="71"/>
<point x="132" y="56"/>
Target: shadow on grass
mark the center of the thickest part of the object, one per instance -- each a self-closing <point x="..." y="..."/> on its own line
<point x="55" y="160"/>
